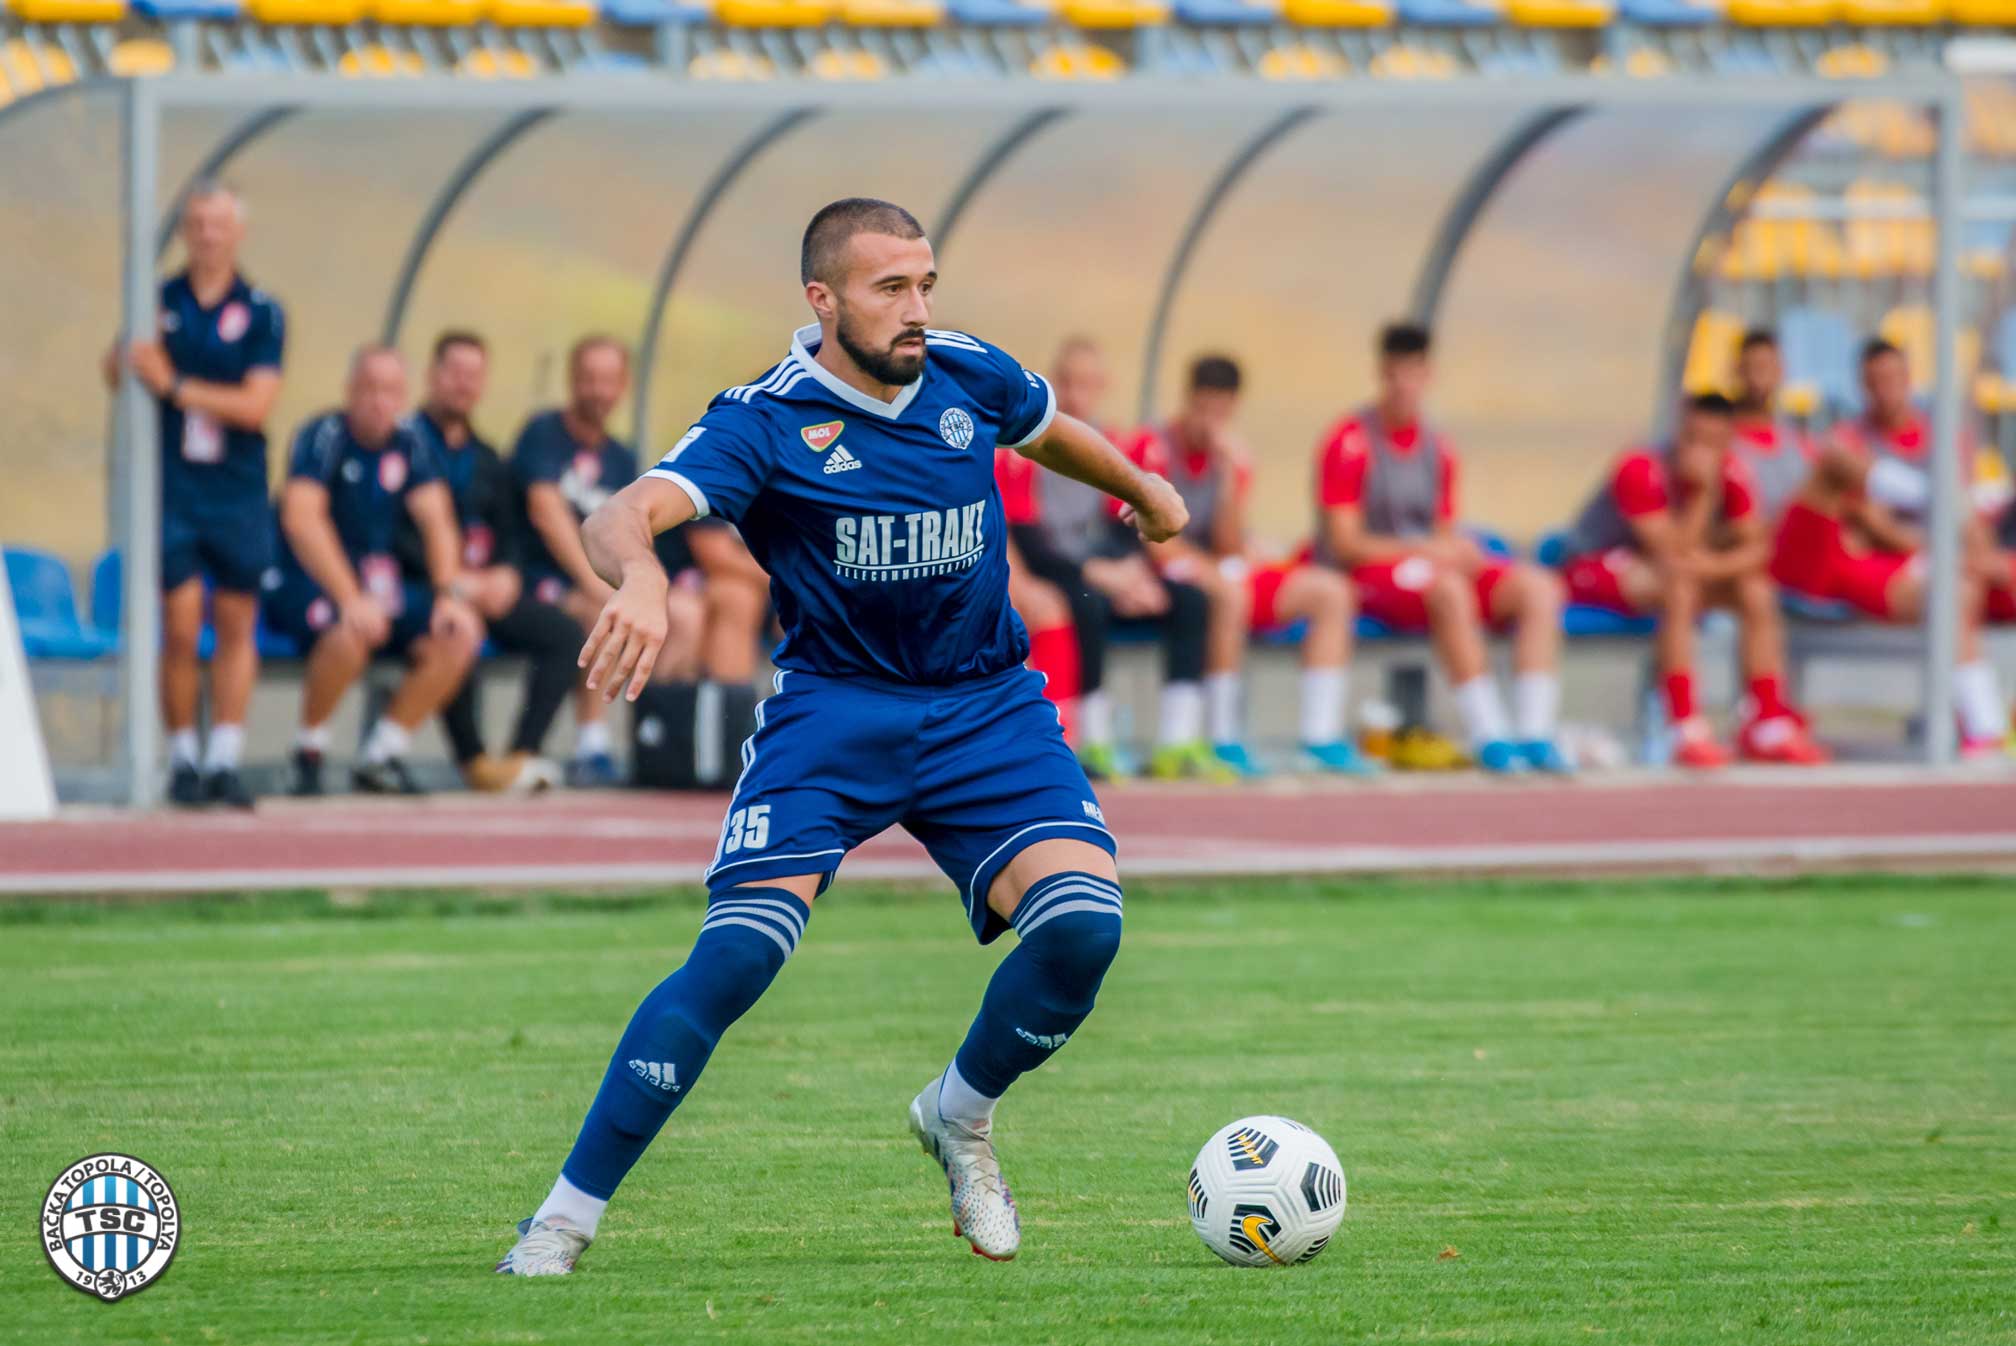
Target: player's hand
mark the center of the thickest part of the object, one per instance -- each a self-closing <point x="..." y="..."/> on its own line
<point x="623" y="648"/>
<point x="1455" y="552"/>
<point x="150" y="363"/>
<point x="1160" y="513"/>
<point x="453" y="619"/>
<point x="366" y="619"/>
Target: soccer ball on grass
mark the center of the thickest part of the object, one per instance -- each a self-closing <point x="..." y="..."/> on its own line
<point x="1266" y="1191"/>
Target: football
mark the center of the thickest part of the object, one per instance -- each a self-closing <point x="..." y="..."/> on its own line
<point x="1266" y="1192"/>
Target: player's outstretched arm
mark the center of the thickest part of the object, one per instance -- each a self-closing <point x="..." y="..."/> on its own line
<point x="1074" y="449"/>
<point x="623" y="648"/>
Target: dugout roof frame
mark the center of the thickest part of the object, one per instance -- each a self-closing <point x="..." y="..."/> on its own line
<point x="1514" y="116"/>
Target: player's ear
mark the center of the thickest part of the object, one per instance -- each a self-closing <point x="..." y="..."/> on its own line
<point x="820" y="296"/>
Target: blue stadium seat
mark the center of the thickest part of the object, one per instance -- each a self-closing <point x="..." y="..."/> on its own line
<point x="1579" y="619"/>
<point x="1552" y="549"/>
<point x="273" y="645"/>
<point x="1224" y="13"/>
<point x="1815" y="609"/>
<point x="1819" y="350"/>
<point x="1450" y="14"/>
<point x="108" y="604"/>
<point x="651" y="13"/>
<point x="1491" y="542"/>
<point x="996" y="14"/>
<point x="1371" y="628"/>
<point x="1669" y="13"/>
<point x="45" y="601"/>
<point x="2005" y="344"/>
<point x="171" y="11"/>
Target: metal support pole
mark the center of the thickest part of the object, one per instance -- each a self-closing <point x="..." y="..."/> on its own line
<point x="1949" y="497"/>
<point x="136" y="476"/>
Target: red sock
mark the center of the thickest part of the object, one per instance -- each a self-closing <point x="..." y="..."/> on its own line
<point x="1053" y="652"/>
<point x="1680" y="697"/>
<point x="1768" y="697"/>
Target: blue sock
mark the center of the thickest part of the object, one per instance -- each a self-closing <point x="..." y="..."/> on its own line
<point x="743" y="943"/>
<point x="1069" y="929"/>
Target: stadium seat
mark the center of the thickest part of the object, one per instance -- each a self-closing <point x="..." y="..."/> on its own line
<point x="1982" y="13"/>
<point x="30" y="67"/>
<point x="723" y="64"/>
<point x="376" y="62"/>
<point x="1782" y="13"/>
<point x="1818" y="346"/>
<point x="1560" y="13"/>
<point x="1225" y="13"/>
<point x="841" y="64"/>
<point x="541" y="13"/>
<point x="337" y="13"/>
<point x="140" y="56"/>
<point x="488" y="63"/>
<point x="1451" y="13"/>
<point x="1338" y="13"/>
<point x="1909" y="327"/>
<point x="426" y="13"/>
<point x="174" y="11"/>
<point x="1580" y="620"/>
<point x="892" y="13"/>
<point x="1893" y="13"/>
<point x="45" y="602"/>
<point x="1114" y="13"/>
<point x="653" y="13"/>
<point x="1404" y="62"/>
<point x="774" y="13"/>
<point x="1295" y="61"/>
<point x="1854" y="60"/>
<point x="1078" y="63"/>
<point x="1552" y="548"/>
<point x="1670" y="13"/>
<point x="68" y="11"/>
<point x="1711" y="352"/>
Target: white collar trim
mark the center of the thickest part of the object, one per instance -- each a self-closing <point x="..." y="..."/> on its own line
<point x="801" y="352"/>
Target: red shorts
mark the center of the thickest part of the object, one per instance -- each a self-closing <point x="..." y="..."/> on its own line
<point x="1596" y="580"/>
<point x="1263" y="583"/>
<point x="2001" y="606"/>
<point x="1392" y="590"/>
<point x="1811" y="557"/>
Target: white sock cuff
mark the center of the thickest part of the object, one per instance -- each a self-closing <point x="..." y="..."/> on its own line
<point x="573" y="1205"/>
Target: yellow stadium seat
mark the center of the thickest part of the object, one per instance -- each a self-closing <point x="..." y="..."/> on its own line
<point x="336" y="12"/>
<point x="1853" y="61"/>
<point x="31" y="68"/>
<point x="140" y="56"/>
<point x="68" y="11"/>
<point x="1412" y="63"/>
<point x="379" y="63"/>
<point x="1909" y="329"/>
<point x="1560" y="13"/>
<point x="6" y="87"/>
<point x="730" y="65"/>
<point x="774" y="13"/>
<point x="426" y="13"/>
<point x="892" y="13"/>
<point x="1782" y="13"/>
<point x="541" y="13"/>
<point x="1991" y="394"/>
<point x="484" y="63"/>
<point x="1987" y="264"/>
<point x="1711" y="352"/>
<point x="1114" y="13"/>
<point x="1295" y="61"/>
<point x="1982" y="13"/>
<point x="1338" y="13"/>
<point x="1893" y="13"/>
<point x="1079" y="63"/>
<point x="848" y="65"/>
<point x="1640" y="63"/>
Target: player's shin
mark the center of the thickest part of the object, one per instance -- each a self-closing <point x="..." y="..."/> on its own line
<point x="1069" y="928"/>
<point x="744" y="942"/>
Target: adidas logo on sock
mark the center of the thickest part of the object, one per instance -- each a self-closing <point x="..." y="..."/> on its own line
<point x="840" y="461"/>
<point x="661" y="1074"/>
<point x="1048" y="1041"/>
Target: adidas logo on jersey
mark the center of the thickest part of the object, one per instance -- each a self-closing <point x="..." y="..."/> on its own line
<point x="840" y="461"/>
<point x="660" y="1074"/>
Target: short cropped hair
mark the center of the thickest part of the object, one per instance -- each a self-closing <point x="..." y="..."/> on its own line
<point x="594" y="341"/>
<point x="458" y="336"/>
<point x="1711" y="404"/>
<point x="1404" y="338"/>
<point x="373" y="350"/>
<point x="826" y="238"/>
<point x="1756" y="337"/>
<point x="1875" y="348"/>
<point x="1214" y="373"/>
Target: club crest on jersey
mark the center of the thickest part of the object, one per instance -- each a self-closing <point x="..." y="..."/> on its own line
<point x="391" y="470"/>
<point x="820" y="437"/>
<point x="234" y="321"/>
<point x="957" y="427"/>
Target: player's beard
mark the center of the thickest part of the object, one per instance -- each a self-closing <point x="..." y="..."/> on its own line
<point x="884" y="366"/>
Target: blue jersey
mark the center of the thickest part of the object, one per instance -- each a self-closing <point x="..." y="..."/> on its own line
<point x="367" y="490"/>
<point x="546" y="454"/>
<point x="878" y="521"/>
<point x="205" y="463"/>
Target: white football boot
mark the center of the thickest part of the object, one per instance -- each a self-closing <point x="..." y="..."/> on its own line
<point x="545" y="1248"/>
<point x="983" y="1209"/>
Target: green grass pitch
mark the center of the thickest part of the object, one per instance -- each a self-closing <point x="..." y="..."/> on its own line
<point x="1650" y="1112"/>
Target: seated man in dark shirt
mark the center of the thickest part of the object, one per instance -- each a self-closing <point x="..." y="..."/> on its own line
<point x="519" y="623"/>
<point x="340" y="592"/>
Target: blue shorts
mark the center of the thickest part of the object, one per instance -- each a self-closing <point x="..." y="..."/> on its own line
<point x="233" y="547"/>
<point x="977" y="772"/>
<point x="300" y="611"/>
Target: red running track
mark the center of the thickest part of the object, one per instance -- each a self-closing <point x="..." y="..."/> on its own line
<point x="1741" y="821"/>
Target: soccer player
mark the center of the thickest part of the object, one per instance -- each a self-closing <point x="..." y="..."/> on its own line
<point x="341" y="593"/>
<point x="566" y="463"/>
<point x="1201" y="454"/>
<point x="1386" y="484"/>
<point x="1778" y="455"/>
<point x="517" y="621"/>
<point x="860" y="469"/>
<point x="1067" y="534"/>
<point x="1855" y="534"/>
<point x="1675" y="530"/>
<point x="215" y="371"/>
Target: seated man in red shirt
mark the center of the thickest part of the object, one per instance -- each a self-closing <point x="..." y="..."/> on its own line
<point x="1386" y="486"/>
<point x="1200" y="452"/>
<point x="1675" y="530"/>
<point x="1855" y="535"/>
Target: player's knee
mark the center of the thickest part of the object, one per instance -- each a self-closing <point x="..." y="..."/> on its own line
<point x="1077" y="947"/>
<point x="1450" y="595"/>
<point x="1756" y="595"/>
<point x="1540" y="589"/>
<point x="1333" y="596"/>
